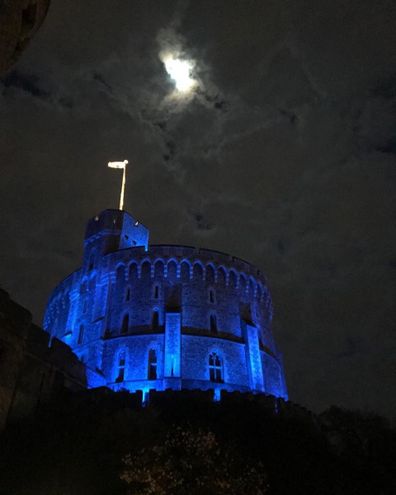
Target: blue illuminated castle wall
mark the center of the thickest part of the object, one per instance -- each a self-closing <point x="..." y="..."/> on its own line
<point x="165" y="316"/>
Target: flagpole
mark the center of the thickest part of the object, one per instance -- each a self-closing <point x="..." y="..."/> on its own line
<point x="120" y="165"/>
<point x="123" y="188"/>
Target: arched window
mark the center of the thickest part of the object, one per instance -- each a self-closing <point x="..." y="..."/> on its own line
<point x="146" y="269"/>
<point x="172" y="271"/>
<point x="210" y="274"/>
<point x="242" y="283"/>
<point x="125" y="324"/>
<point x="121" y="367"/>
<point x="213" y="323"/>
<point x="65" y="312"/>
<point x="156" y="291"/>
<point x="185" y="271"/>
<point x="233" y="279"/>
<point x="215" y="368"/>
<point x="120" y="275"/>
<point x="211" y="296"/>
<point x="80" y="334"/>
<point x="251" y="287"/>
<point x="152" y="365"/>
<point x="159" y="269"/>
<point x="197" y="271"/>
<point x="91" y="264"/>
<point x="155" y="319"/>
<point x="221" y="276"/>
<point x="128" y="294"/>
<point x="133" y="271"/>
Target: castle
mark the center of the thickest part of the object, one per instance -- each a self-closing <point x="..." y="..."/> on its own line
<point x="156" y="317"/>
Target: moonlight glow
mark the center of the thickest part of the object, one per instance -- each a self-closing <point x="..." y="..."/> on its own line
<point x="180" y="72"/>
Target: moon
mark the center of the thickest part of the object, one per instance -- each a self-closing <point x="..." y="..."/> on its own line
<point x="180" y="71"/>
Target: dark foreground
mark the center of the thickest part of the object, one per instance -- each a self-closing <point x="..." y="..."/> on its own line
<point x="100" y="442"/>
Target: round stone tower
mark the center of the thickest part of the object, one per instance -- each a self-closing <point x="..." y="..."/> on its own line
<point x="164" y="316"/>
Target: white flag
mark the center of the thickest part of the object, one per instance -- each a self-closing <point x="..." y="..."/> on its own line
<point x="117" y="164"/>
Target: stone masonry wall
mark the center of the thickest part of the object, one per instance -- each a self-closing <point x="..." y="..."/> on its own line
<point x="31" y="370"/>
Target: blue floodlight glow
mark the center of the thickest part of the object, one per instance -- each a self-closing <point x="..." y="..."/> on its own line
<point x="157" y="317"/>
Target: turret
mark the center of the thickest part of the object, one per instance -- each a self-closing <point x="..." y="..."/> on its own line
<point x="110" y="231"/>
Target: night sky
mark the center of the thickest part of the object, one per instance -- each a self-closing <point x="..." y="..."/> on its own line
<point x="284" y="155"/>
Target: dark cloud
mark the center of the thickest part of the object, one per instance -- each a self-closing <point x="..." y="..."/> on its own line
<point x="27" y="83"/>
<point x="99" y="78"/>
<point x="201" y="223"/>
<point x="376" y="124"/>
<point x="283" y="155"/>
